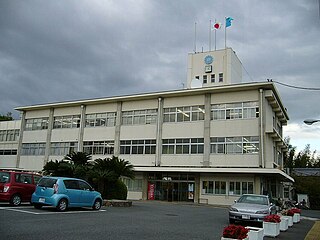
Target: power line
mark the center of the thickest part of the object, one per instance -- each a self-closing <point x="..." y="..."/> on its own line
<point x="296" y="87"/>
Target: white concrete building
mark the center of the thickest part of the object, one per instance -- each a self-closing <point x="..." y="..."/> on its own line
<point x="208" y="144"/>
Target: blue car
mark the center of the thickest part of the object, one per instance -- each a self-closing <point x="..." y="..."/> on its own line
<point x="63" y="192"/>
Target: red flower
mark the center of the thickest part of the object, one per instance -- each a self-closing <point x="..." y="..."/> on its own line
<point x="272" y="218"/>
<point x="235" y="231"/>
<point x="296" y="210"/>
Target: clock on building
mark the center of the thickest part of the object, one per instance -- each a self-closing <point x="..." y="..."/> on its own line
<point x="208" y="59"/>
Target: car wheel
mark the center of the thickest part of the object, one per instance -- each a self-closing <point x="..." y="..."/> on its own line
<point x="37" y="206"/>
<point x="15" y="200"/>
<point x="97" y="204"/>
<point x="62" y="205"/>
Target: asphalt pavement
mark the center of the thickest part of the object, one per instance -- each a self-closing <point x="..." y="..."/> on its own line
<point x="144" y="220"/>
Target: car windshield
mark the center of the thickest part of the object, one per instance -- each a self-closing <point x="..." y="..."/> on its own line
<point x="4" y="177"/>
<point x="253" y="200"/>
<point x="47" y="182"/>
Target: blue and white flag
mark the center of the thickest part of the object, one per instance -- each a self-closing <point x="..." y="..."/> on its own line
<point x="228" y="21"/>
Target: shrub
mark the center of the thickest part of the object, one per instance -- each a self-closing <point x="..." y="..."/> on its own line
<point x="272" y="218"/>
<point x="116" y="190"/>
<point x="235" y="231"/>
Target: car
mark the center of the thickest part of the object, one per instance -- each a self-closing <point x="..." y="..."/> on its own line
<point x="251" y="208"/>
<point x="64" y="192"/>
<point x="17" y="186"/>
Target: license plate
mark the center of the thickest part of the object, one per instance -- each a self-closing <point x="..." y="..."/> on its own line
<point x="42" y="200"/>
<point x="245" y="216"/>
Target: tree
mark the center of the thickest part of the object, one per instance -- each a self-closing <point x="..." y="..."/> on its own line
<point x="58" y="168"/>
<point x="81" y="163"/>
<point x="7" y="117"/>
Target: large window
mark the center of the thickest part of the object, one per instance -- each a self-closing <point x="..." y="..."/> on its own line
<point x="72" y="121"/>
<point x="34" y="149"/>
<point x="9" y="135"/>
<point x="63" y="148"/>
<point x="8" y="151"/>
<point x="239" y="188"/>
<point x="214" y="187"/>
<point x="36" y="124"/>
<point x="101" y="119"/>
<point x="183" y="146"/>
<point x="183" y="114"/>
<point x="139" y="117"/>
<point x="138" y="146"/>
<point x="132" y="184"/>
<point x="234" y="145"/>
<point x="240" y="110"/>
<point x="99" y="147"/>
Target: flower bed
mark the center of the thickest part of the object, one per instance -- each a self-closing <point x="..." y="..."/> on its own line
<point x="272" y="218"/>
<point x="235" y="232"/>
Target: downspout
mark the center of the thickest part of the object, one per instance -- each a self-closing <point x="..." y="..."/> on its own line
<point x="262" y="160"/>
<point x="159" y="133"/>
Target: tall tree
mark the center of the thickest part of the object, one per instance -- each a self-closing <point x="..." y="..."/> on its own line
<point x="7" y="117"/>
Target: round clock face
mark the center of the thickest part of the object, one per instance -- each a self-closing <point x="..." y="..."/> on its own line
<point x="208" y="59"/>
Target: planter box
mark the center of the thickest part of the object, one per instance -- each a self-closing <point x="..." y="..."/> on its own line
<point x="284" y="223"/>
<point x="290" y="220"/>
<point x="271" y="229"/>
<point x="296" y="218"/>
<point x="255" y="233"/>
<point x="223" y="238"/>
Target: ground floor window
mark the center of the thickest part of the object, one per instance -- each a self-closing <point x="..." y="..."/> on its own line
<point x="133" y="184"/>
<point x="220" y="187"/>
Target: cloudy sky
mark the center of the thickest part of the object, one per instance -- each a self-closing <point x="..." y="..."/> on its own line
<point x="52" y="51"/>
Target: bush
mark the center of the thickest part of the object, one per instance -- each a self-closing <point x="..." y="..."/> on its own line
<point x="272" y="218"/>
<point x="235" y="231"/>
<point x="116" y="190"/>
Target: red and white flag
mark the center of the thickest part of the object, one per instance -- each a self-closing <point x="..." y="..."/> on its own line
<point x="216" y="26"/>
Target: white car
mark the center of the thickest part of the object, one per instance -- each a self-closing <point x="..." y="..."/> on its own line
<point x="251" y="207"/>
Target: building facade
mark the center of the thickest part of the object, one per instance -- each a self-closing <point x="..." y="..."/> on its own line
<point x="208" y="144"/>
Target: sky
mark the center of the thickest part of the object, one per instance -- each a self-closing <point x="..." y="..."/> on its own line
<point x="64" y="50"/>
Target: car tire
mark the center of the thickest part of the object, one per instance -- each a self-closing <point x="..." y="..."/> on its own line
<point x="37" y="206"/>
<point x="62" y="205"/>
<point x="15" y="200"/>
<point x="97" y="204"/>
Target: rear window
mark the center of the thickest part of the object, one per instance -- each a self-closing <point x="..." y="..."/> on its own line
<point x="4" y="177"/>
<point x="47" y="182"/>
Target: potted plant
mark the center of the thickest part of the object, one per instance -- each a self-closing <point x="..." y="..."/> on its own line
<point x="296" y="214"/>
<point x="234" y="232"/>
<point x="271" y="225"/>
<point x="287" y="214"/>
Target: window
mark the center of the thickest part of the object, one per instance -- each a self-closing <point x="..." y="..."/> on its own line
<point x="62" y="148"/>
<point x="239" y="110"/>
<point x="183" y="146"/>
<point x="132" y="184"/>
<point x="138" y="146"/>
<point x="36" y="124"/>
<point x="184" y="114"/>
<point x="234" y="145"/>
<point x="23" y="178"/>
<point x="84" y="186"/>
<point x="71" y="184"/>
<point x="220" y="77"/>
<point x="33" y="149"/>
<point x="101" y="119"/>
<point x="239" y="188"/>
<point x="214" y="187"/>
<point x="205" y="79"/>
<point x="213" y="78"/>
<point x="8" y="152"/>
<point x="99" y="147"/>
<point x="139" y="117"/>
<point x="72" y="121"/>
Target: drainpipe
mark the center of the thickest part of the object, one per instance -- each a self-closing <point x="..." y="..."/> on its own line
<point x="262" y="160"/>
<point x="159" y="133"/>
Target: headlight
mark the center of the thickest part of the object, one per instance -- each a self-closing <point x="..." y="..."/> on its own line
<point x="233" y="209"/>
<point x="263" y="212"/>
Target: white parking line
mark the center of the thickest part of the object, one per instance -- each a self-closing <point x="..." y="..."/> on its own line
<point x="44" y="213"/>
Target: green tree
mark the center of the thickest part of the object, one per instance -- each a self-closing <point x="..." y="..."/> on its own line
<point x="81" y="164"/>
<point x="7" y="117"/>
<point x="58" y="168"/>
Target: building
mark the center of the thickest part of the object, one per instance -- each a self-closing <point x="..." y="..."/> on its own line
<point x="207" y="144"/>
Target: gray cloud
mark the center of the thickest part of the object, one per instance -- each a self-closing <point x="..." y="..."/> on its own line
<point x="54" y="51"/>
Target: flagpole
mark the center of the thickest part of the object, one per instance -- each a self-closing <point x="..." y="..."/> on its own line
<point x="225" y="33"/>
<point x="215" y="36"/>
<point x="210" y="35"/>
<point x="195" y="37"/>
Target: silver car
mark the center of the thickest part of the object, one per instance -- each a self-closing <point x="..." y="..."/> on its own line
<point x="251" y="207"/>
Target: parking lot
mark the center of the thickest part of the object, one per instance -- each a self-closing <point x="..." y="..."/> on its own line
<point x="144" y="220"/>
